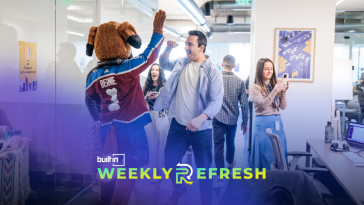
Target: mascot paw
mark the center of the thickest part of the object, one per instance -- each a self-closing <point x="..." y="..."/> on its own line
<point x="158" y="22"/>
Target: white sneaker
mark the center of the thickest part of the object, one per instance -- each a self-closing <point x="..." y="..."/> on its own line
<point x="232" y="165"/>
<point x="218" y="183"/>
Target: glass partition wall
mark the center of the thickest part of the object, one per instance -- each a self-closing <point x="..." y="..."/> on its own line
<point x="43" y="65"/>
<point x="349" y="40"/>
<point x="349" y="45"/>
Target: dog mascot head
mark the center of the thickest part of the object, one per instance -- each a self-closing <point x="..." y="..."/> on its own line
<point x="112" y="40"/>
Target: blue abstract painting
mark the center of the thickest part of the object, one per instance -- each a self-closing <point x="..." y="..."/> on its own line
<point x="294" y="53"/>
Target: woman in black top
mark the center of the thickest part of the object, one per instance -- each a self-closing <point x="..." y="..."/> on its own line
<point x="158" y="129"/>
<point x="153" y="85"/>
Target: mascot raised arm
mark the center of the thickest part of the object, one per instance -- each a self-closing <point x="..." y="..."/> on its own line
<point x="115" y="82"/>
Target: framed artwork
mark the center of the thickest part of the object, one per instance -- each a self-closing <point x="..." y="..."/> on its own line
<point x="294" y="53"/>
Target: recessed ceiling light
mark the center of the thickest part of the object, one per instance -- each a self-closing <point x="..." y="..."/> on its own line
<point x="337" y="3"/>
<point x="74" y="33"/>
<point x="170" y="31"/>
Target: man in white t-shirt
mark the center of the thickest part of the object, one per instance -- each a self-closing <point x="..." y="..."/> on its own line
<point x="193" y="94"/>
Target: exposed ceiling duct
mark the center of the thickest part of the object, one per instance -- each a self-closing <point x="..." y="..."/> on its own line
<point x="218" y="28"/>
<point x="166" y="29"/>
<point x="229" y="5"/>
<point x="246" y="13"/>
<point x="220" y="12"/>
<point x="349" y="26"/>
<point x="222" y="20"/>
<point x="349" y="22"/>
<point x="190" y="8"/>
<point x="346" y="22"/>
<point x="226" y="8"/>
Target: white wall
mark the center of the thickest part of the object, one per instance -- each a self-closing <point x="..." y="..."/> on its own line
<point x="309" y="104"/>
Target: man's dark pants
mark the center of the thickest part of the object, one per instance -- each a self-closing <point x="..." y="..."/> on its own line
<point x="178" y="141"/>
<point x="220" y="130"/>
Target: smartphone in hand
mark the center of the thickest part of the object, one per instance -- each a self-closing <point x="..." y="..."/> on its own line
<point x="153" y="94"/>
<point x="285" y="78"/>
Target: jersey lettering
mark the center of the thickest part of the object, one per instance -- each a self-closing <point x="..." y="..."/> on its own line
<point x="107" y="82"/>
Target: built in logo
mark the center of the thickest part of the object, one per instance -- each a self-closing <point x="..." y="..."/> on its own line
<point x="115" y="158"/>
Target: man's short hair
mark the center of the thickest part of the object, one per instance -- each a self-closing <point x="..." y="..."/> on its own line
<point x="229" y="61"/>
<point x="202" y="40"/>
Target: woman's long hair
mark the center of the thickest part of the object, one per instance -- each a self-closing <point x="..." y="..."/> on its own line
<point x="149" y="82"/>
<point x="259" y="75"/>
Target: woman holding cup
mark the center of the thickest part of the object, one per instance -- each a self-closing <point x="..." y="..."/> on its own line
<point x="268" y="97"/>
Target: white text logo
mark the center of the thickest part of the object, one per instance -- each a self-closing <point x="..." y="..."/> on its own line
<point x="107" y="82"/>
<point x="111" y="159"/>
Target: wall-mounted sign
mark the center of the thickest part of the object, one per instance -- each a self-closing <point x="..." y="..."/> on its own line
<point x="27" y="66"/>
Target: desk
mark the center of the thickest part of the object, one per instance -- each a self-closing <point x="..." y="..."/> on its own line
<point x="351" y="178"/>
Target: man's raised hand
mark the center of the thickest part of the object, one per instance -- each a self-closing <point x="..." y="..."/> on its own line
<point x="171" y="44"/>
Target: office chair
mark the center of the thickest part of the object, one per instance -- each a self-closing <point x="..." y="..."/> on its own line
<point x="354" y="107"/>
<point x="279" y="163"/>
<point x="278" y="188"/>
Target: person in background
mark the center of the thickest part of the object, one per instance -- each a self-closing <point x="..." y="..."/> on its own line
<point x="360" y="89"/>
<point x="359" y="84"/>
<point x="268" y="97"/>
<point x="157" y="130"/>
<point x="225" y="121"/>
<point x="68" y="92"/>
<point x="194" y="93"/>
<point x="247" y="86"/>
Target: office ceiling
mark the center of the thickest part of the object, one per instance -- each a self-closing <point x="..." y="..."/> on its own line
<point x="177" y="19"/>
<point x="351" y="5"/>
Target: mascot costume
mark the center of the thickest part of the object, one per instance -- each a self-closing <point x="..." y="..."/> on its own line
<point x="115" y="82"/>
